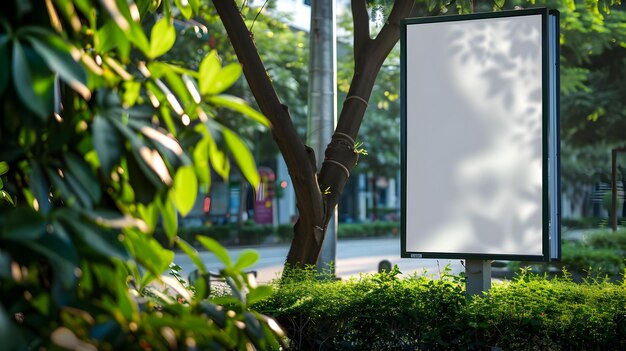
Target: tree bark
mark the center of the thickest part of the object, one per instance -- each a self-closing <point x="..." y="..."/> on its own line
<point x="316" y="194"/>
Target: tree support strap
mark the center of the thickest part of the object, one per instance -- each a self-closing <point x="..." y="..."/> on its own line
<point x="341" y="152"/>
<point x="357" y="98"/>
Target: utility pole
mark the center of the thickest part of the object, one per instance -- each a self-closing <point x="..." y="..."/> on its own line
<point x="322" y="114"/>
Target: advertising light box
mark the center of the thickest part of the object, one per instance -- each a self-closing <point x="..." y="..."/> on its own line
<point x="480" y="136"/>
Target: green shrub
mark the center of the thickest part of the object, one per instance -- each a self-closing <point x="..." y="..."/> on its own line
<point x="591" y="261"/>
<point x="608" y="240"/>
<point x="373" y="229"/>
<point x="383" y="312"/>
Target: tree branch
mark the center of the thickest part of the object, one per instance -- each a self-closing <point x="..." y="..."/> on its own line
<point x="390" y="33"/>
<point x="361" y="21"/>
<point x="368" y="61"/>
<point x="300" y="159"/>
<point x="283" y="130"/>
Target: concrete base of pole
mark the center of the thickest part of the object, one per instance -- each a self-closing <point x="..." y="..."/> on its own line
<point x="478" y="277"/>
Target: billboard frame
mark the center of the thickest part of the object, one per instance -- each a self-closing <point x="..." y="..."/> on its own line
<point x="551" y="246"/>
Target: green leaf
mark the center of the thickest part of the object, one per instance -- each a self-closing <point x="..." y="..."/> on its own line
<point x="218" y="250"/>
<point x="201" y="163"/>
<point x="6" y="197"/>
<point x="79" y="190"/>
<point x="225" y="78"/>
<point x="209" y="69"/>
<point x="149" y="213"/>
<point x="24" y="224"/>
<point x="162" y="38"/>
<point x="219" y="161"/>
<point x="185" y="189"/>
<point x="4" y="167"/>
<point x="246" y="259"/>
<point x="56" y="54"/>
<point x="192" y="253"/>
<point x="148" y="252"/>
<point x="132" y="90"/>
<point x="39" y="186"/>
<point x="23" y="81"/>
<point x="110" y="36"/>
<point x="11" y="338"/>
<point x="4" y="63"/>
<point x="242" y="156"/>
<point x="107" y="142"/>
<point x="83" y="173"/>
<point x="104" y="242"/>
<point x="259" y="293"/>
<point x="138" y="37"/>
<point x="237" y="104"/>
<point x="61" y="254"/>
<point x="185" y="9"/>
<point x="170" y="218"/>
<point x="195" y="5"/>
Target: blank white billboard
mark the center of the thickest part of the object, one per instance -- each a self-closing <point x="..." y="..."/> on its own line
<point x="479" y="153"/>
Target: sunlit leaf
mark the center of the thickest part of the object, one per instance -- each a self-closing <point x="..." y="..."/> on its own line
<point x="238" y="104"/>
<point x="195" y="5"/>
<point x="131" y="93"/>
<point x="225" y="79"/>
<point x="138" y="37"/>
<point x="148" y="252"/>
<point x="176" y="285"/>
<point x="170" y="218"/>
<point x="185" y="9"/>
<point x="23" y="81"/>
<point x="185" y="189"/>
<point x="4" y="167"/>
<point x="192" y="253"/>
<point x="259" y="293"/>
<point x="201" y="163"/>
<point x="162" y="38"/>
<point x="219" y="161"/>
<point x="149" y="213"/>
<point x="216" y="248"/>
<point x="111" y="36"/>
<point x="243" y="157"/>
<point x="116" y="14"/>
<point x="209" y="69"/>
<point x="6" y="197"/>
<point x="246" y="259"/>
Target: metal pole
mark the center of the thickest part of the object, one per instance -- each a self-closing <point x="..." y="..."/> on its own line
<point x="322" y="117"/>
<point x="478" y="277"/>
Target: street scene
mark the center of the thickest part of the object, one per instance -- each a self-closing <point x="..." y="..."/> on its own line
<point x="354" y="257"/>
<point x="141" y="139"/>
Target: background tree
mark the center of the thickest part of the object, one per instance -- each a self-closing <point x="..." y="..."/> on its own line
<point x="317" y="193"/>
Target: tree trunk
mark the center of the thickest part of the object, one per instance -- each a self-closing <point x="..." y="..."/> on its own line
<point x="317" y="195"/>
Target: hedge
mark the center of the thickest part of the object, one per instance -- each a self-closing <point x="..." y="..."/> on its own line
<point x="256" y="234"/>
<point x="383" y="312"/>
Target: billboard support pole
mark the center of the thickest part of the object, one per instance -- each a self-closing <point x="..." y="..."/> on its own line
<point x="477" y="277"/>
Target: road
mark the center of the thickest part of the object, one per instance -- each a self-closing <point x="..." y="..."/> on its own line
<point x="353" y="257"/>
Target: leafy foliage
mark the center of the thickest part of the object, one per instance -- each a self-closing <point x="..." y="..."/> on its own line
<point x="102" y="137"/>
<point x="386" y="312"/>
